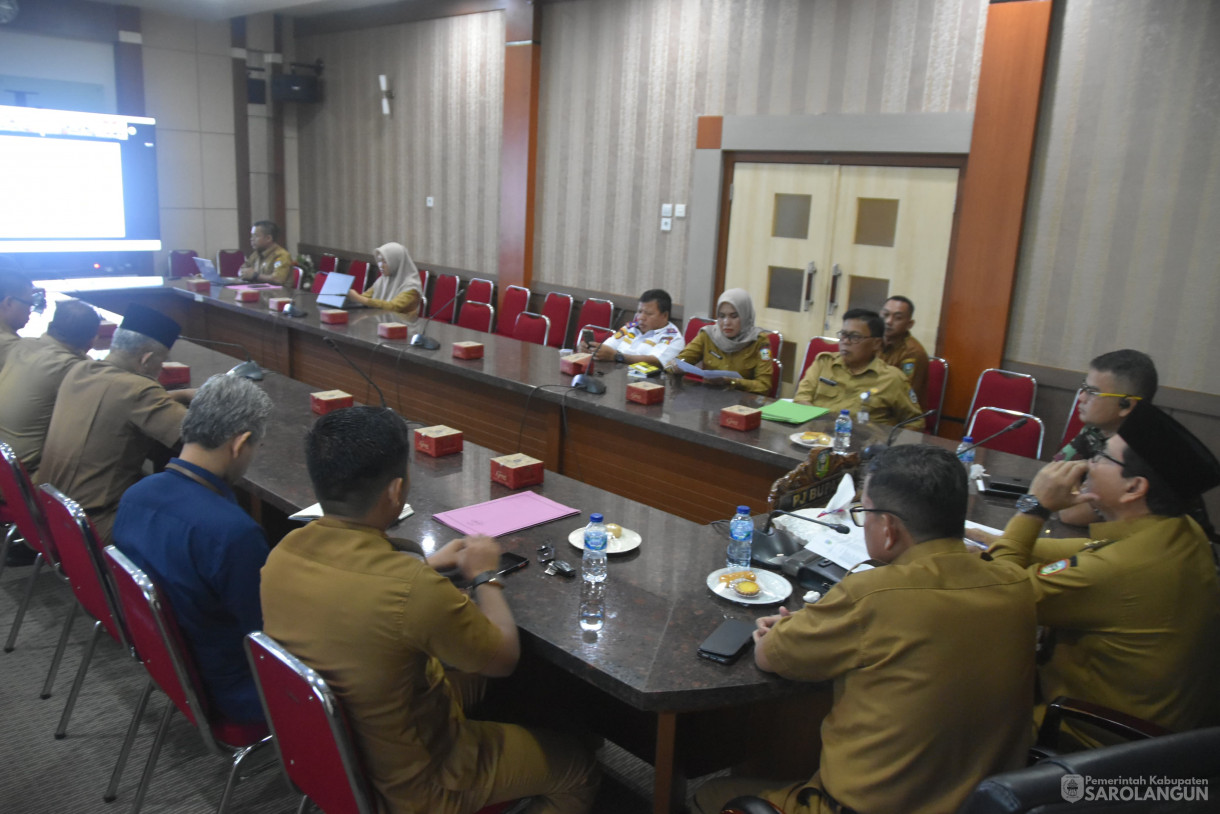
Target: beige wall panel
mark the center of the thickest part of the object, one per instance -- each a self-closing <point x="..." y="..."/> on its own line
<point x="171" y="90"/>
<point x="219" y="170"/>
<point x="216" y="94"/>
<point x="214" y="37"/>
<point x="219" y="226"/>
<point x="181" y="229"/>
<point x="167" y="31"/>
<point x="179" y="169"/>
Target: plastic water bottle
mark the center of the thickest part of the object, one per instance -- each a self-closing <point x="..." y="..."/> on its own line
<point x="842" y="433"/>
<point x="592" y="605"/>
<point x="966" y="456"/>
<point x="741" y="534"/>
<point x="593" y="564"/>
<point x="862" y="413"/>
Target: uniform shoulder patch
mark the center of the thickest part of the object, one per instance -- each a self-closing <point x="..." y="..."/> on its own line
<point x="1056" y="567"/>
<point x="765" y="354"/>
<point x="908" y="367"/>
<point x="911" y="395"/>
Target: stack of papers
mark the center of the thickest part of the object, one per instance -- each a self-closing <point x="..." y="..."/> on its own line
<point x="315" y="511"/>
<point x="505" y="515"/>
<point x="791" y="412"/>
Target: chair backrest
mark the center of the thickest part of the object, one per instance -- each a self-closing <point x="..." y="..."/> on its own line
<point x="480" y="290"/>
<point x="80" y="555"/>
<point x="182" y="263"/>
<point x="314" y="742"/>
<point x="444" y="296"/>
<point x="229" y="261"/>
<point x="516" y="300"/>
<point x="1074" y="425"/>
<point x="297" y="274"/>
<point x="319" y="280"/>
<point x="775" y="341"/>
<point x="425" y="277"/>
<point x="693" y="326"/>
<point x="938" y="380"/>
<point x="360" y="270"/>
<point x="817" y="344"/>
<point x="594" y="312"/>
<point x="477" y="316"/>
<point x="600" y="332"/>
<point x="558" y="311"/>
<point x="1025" y="441"/>
<point x="327" y="263"/>
<point x="19" y="505"/>
<point x="532" y="327"/>
<point x="1004" y="389"/>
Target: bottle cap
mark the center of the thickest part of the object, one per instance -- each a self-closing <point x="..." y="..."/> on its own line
<point x="595" y="518"/>
<point x="967" y="440"/>
<point x="743" y="510"/>
<point x="843" y="412"/>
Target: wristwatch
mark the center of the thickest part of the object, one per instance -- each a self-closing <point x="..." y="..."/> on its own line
<point x="486" y="578"/>
<point x="618" y="357"/>
<point x="1029" y="504"/>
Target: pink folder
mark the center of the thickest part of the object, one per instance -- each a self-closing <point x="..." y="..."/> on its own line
<point x="505" y="515"/>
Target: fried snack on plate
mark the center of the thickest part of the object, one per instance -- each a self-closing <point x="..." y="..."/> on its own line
<point x="735" y="575"/>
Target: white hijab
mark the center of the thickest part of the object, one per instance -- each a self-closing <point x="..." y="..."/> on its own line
<point x="401" y="274"/>
<point x="739" y="298"/>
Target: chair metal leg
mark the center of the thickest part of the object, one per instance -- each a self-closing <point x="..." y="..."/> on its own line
<point x="59" y="652"/>
<point x="25" y="602"/>
<point x="9" y="536"/>
<point x="112" y="791"/>
<point x="239" y="758"/>
<point x="304" y="803"/>
<point x="86" y="658"/>
<point x="146" y="778"/>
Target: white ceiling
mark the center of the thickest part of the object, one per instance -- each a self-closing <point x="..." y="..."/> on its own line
<point x="224" y="9"/>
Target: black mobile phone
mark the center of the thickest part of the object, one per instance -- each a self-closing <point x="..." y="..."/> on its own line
<point x="510" y="562"/>
<point x="728" y="642"/>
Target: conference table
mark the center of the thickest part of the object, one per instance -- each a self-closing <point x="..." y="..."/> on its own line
<point x="638" y="681"/>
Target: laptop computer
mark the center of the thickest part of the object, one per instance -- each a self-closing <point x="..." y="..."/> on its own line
<point x="334" y="291"/>
<point x="207" y="270"/>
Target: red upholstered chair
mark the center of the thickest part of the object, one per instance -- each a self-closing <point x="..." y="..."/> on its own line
<point x="1025" y="441"/>
<point x="182" y="263"/>
<point x="1004" y="389"/>
<point x="229" y="261"/>
<point x="532" y="327"/>
<point x="156" y="637"/>
<point x="425" y="277"/>
<point x="938" y="380"/>
<point x="477" y="316"/>
<point x="516" y="300"/>
<point x="297" y="274"/>
<point x="312" y="735"/>
<point x="775" y="340"/>
<point x="558" y="310"/>
<point x="319" y="280"/>
<point x="694" y="325"/>
<point x="818" y="344"/>
<point x="20" y="510"/>
<point x="600" y="333"/>
<point x="594" y="312"/>
<point x="1074" y="425"/>
<point x="480" y="290"/>
<point x="360" y="270"/>
<point x="327" y="263"/>
<point x="444" y="297"/>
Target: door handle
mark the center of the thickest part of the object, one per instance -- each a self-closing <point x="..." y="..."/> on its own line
<point x="811" y="273"/>
<point x="835" y="274"/>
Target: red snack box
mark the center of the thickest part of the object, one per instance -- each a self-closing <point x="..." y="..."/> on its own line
<point x="246" y="295"/>
<point x="333" y="316"/>
<point x="575" y="363"/>
<point x="438" y="441"/>
<point x="278" y="303"/>
<point x="740" y="418"/>
<point x="199" y="286"/>
<point x="468" y="350"/>
<point x="325" y="401"/>
<point x="174" y="373"/>
<point x="646" y="393"/>
<point x="106" y="328"/>
<point x="392" y="330"/>
<point x="516" y="470"/>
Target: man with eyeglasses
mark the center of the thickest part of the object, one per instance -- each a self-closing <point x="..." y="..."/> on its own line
<point x="913" y="693"/>
<point x="17" y="298"/>
<point x="1133" y="611"/>
<point x="1114" y="383"/>
<point x="838" y="381"/>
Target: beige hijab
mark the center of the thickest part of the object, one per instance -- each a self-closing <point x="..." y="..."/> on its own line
<point x="402" y="274"/>
<point x="744" y="306"/>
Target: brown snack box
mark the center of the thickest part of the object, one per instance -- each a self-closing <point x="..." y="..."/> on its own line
<point x="438" y="440"/>
<point x="332" y="316"/>
<point x="106" y="328"/>
<point x="198" y="286"/>
<point x="576" y="363"/>
<point x="516" y="470"/>
<point x="646" y="392"/>
<point x="248" y="295"/>
<point x="468" y="350"/>
<point x="325" y="401"/>
<point x="174" y="373"/>
<point x="738" y="417"/>
<point x="392" y="330"/>
<point x="278" y="303"/>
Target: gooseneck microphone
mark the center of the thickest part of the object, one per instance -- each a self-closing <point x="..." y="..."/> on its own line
<point x="335" y="347"/>
<point x="248" y="369"/>
<point x="421" y="339"/>
<point x="1016" y="425"/>
<point x="839" y="527"/>
<point x="889" y="442"/>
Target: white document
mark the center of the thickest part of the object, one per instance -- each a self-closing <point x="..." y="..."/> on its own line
<point x="845" y="550"/>
<point x="315" y="511"/>
<point x="686" y="367"/>
<point x="970" y="524"/>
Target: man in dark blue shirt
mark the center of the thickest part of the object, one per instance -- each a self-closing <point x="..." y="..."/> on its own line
<point x="185" y="529"/>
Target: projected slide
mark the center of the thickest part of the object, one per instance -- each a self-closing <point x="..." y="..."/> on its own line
<point x="64" y="188"/>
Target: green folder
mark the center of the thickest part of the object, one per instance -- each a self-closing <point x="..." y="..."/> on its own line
<point x="791" y="412"/>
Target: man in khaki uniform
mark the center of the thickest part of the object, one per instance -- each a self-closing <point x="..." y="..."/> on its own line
<point x="380" y="625"/>
<point x="269" y="262"/>
<point x="900" y="349"/>
<point x="837" y="382"/>
<point x="110" y="414"/>
<point x="920" y="716"/>
<point x="17" y="299"/>
<point x="1134" y="611"/>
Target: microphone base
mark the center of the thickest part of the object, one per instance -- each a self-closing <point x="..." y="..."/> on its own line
<point x="425" y="342"/>
<point x="589" y="384"/>
<point x="248" y="369"/>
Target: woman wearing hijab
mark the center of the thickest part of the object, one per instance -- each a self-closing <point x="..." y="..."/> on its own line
<point x="734" y="343"/>
<point x="398" y="288"/>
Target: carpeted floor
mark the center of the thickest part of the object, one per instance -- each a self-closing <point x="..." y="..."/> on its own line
<point x="42" y="775"/>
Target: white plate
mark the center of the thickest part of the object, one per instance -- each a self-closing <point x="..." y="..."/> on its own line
<point x="775" y="588"/>
<point x="796" y="439"/>
<point x="628" y="541"/>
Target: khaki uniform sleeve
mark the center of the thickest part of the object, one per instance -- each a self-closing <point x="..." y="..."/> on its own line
<point x="692" y="354"/>
<point x="157" y="415"/>
<point x="899" y="395"/>
<point x="758" y="373"/>
<point x="919" y="376"/>
<point x="404" y="303"/>
<point x="280" y="267"/>
<point x="818" y="642"/>
<point x="447" y="625"/>
<point x="808" y="387"/>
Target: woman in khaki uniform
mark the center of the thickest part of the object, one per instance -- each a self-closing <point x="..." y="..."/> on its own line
<point x="398" y="288"/>
<point x="734" y="343"/>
